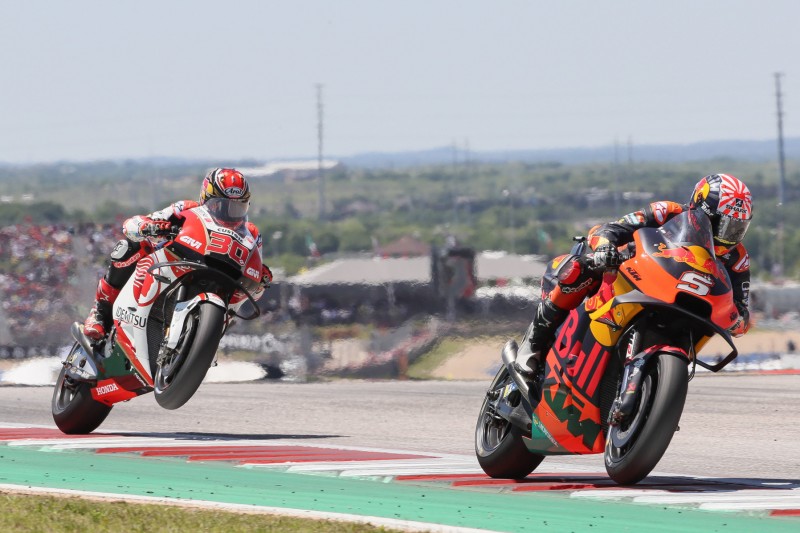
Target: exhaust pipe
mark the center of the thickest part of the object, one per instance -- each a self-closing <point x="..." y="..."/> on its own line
<point x="509" y="355"/>
<point x="77" y="333"/>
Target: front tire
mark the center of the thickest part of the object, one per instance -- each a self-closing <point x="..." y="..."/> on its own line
<point x="634" y="447"/>
<point x="498" y="443"/>
<point x="180" y="375"/>
<point x="74" y="410"/>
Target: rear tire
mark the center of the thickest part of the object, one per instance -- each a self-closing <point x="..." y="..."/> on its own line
<point x="176" y="388"/>
<point x="74" y="410"/>
<point x="649" y="430"/>
<point x="498" y="443"/>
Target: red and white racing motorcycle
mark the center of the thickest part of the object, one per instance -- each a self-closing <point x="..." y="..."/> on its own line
<point x="168" y="320"/>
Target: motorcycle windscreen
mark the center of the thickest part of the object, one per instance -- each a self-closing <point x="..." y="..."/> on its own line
<point x="684" y="244"/>
<point x="227" y="212"/>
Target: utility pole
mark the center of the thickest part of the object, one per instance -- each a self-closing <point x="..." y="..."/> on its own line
<point x="782" y="167"/>
<point x="630" y="151"/>
<point x="615" y="193"/>
<point x="781" y="162"/>
<point x="320" y="170"/>
<point x="509" y="193"/>
<point x="454" y="186"/>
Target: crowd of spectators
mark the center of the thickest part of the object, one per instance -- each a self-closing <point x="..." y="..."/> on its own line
<point x="38" y="267"/>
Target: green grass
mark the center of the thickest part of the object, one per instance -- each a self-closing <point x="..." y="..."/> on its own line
<point x="427" y="363"/>
<point x="51" y="514"/>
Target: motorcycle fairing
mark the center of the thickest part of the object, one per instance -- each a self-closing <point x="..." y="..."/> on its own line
<point x="130" y="318"/>
<point x="567" y="419"/>
<point x="200" y="234"/>
<point x="237" y="248"/>
<point x="609" y="316"/>
<point x="116" y="389"/>
<point x="666" y="269"/>
<point x="182" y="310"/>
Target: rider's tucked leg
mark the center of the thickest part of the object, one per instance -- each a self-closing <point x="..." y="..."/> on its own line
<point x="575" y="280"/>
<point x="124" y="257"/>
<point x="99" y="319"/>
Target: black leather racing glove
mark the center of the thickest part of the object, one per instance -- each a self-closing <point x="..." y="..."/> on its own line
<point x="607" y="256"/>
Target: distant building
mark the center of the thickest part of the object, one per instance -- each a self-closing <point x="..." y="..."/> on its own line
<point x="405" y="246"/>
<point x="291" y="170"/>
<point x="419" y="283"/>
<point x="633" y="196"/>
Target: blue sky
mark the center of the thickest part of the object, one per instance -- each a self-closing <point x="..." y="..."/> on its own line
<point x="84" y="80"/>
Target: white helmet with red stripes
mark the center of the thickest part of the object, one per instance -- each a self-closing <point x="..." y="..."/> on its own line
<point x="728" y="203"/>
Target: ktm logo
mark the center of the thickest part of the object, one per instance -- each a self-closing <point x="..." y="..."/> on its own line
<point x="635" y="275"/>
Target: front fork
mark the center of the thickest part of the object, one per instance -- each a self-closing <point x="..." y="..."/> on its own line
<point x="635" y="360"/>
<point x="632" y="375"/>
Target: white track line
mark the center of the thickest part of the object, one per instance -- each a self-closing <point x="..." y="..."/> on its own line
<point x="412" y="463"/>
<point x="359" y="472"/>
<point x="752" y="506"/>
<point x="713" y="500"/>
<point x="720" y="497"/>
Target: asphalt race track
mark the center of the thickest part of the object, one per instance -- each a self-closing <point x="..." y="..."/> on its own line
<point x="739" y="434"/>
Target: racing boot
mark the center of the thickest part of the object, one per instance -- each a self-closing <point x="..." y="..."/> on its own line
<point x="99" y="320"/>
<point x="546" y="320"/>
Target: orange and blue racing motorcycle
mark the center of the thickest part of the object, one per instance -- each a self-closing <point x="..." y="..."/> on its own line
<point x="616" y="378"/>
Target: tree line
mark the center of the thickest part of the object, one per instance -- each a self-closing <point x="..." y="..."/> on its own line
<point x="520" y="207"/>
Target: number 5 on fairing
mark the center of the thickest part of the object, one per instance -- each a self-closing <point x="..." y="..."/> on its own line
<point x="696" y="283"/>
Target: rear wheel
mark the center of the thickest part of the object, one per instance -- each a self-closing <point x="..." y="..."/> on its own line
<point x="498" y="443"/>
<point x="634" y="447"/>
<point x="179" y="374"/>
<point x="74" y="410"/>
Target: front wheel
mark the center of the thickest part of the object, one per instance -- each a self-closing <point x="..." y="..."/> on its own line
<point x="179" y="374"/>
<point x="634" y="447"/>
<point x="74" y="410"/>
<point x="498" y="443"/>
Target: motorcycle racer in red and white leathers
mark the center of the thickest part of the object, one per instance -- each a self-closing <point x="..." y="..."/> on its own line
<point x="141" y="232"/>
<point x="727" y="202"/>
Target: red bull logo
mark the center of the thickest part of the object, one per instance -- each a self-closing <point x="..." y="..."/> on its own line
<point x="696" y="257"/>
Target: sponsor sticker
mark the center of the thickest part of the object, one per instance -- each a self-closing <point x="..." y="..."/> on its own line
<point x="569" y="290"/>
<point x="106" y="389"/>
<point x="191" y="242"/>
<point x="543" y="430"/>
<point x="125" y="315"/>
<point x="660" y="212"/>
<point x="743" y="264"/>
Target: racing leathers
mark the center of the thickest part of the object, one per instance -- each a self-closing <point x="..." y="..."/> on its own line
<point x="139" y="232"/>
<point x="578" y="276"/>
